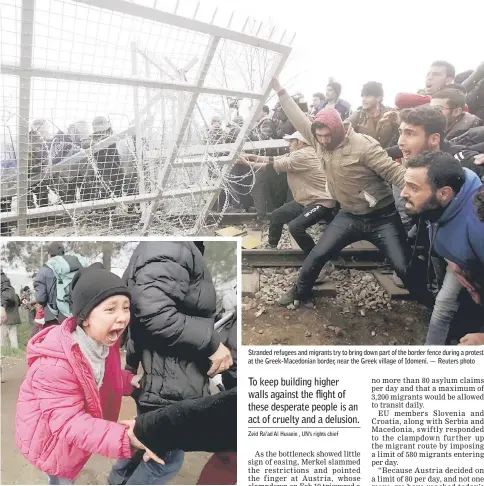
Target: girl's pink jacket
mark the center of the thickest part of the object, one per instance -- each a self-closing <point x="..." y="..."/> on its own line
<point x="62" y="418"/>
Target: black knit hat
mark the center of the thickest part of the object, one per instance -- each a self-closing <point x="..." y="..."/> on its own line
<point x="92" y="285"/>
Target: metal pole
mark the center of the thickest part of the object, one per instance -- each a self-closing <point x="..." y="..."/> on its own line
<point x="138" y="132"/>
<point x="274" y="72"/>
<point x="24" y="94"/>
<point x="149" y="128"/>
<point x="184" y="122"/>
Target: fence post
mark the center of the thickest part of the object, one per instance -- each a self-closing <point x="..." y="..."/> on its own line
<point x="183" y="125"/>
<point x="24" y="94"/>
<point x="239" y="142"/>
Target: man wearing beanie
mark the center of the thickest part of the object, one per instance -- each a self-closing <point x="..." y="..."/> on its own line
<point x="333" y="93"/>
<point x="172" y="336"/>
<point x="59" y="265"/>
<point x="359" y="175"/>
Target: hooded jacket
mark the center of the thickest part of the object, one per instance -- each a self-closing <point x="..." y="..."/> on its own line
<point x="62" y="418"/>
<point x="9" y="300"/>
<point x="264" y="130"/>
<point x="458" y="235"/>
<point x="172" y="321"/>
<point x="358" y="170"/>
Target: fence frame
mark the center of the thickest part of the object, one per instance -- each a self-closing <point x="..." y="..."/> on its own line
<point x="25" y="72"/>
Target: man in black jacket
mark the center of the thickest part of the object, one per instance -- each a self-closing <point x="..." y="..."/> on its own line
<point x="172" y="336"/>
<point x="45" y="284"/>
<point x="107" y="161"/>
<point x="10" y="313"/>
<point x="189" y="425"/>
<point x="452" y="103"/>
<point x="423" y="129"/>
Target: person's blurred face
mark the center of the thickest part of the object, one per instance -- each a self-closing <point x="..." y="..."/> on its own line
<point x="436" y="79"/>
<point x="330" y="93"/>
<point x="316" y="101"/>
<point x="293" y="145"/>
<point x="43" y="131"/>
<point x="82" y="130"/>
<point x="417" y="193"/>
<point x="413" y="140"/>
<point x="369" y="102"/>
<point x="216" y="124"/>
<point x="323" y="136"/>
<point x="281" y="115"/>
<point x="107" y="321"/>
<point x="450" y="114"/>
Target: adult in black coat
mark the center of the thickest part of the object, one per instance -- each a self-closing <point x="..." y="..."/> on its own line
<point x="108" y="162"/>
<point x="9" y="301"/>
<point x="190" y="425"/>
<point x="172" y="335"/>
<point x="172" y="323"/>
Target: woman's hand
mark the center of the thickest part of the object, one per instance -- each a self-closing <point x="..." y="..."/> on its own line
<point x="136" y="379"/>
<point x="136" y="444"/>
<point x="243" y="161"/>
<point x="479" y="159"/>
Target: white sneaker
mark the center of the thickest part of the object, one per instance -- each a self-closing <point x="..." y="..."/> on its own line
<point x="398" y="281"/>
<point x="325" y="272"/>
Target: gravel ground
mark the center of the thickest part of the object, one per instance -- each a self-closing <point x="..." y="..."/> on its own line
<point x="354" y="288"/>
<point x="361" y="313"/>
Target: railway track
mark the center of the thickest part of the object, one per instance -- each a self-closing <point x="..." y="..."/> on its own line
<point x="361" y="255"/>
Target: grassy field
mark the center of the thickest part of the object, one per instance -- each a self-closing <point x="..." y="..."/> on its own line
<point x="23" y="333"/>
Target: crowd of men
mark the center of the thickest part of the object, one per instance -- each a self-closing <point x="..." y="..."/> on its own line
<point x="403" y="178"/>
<point x="111" y="173"/>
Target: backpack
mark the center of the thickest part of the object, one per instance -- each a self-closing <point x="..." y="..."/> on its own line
<point x="64" y="268"/>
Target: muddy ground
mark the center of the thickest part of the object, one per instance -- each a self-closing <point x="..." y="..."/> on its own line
<point x="326" y="324"/>
<point x="15" y="469"/>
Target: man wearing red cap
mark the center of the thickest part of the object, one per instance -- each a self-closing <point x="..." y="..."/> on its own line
<point x="359" y="175"/>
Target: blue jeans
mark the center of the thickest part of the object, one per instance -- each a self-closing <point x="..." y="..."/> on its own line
<point x="59" y="480"/>
<point x="136" y="471"/>
<point x="445" y="309"/>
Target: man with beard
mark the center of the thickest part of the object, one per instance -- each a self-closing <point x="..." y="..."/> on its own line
<point x="452" y="103"/>
<point x="441" y="75"/>
<point x="441" y="191"/>
<point x="358" y="173"/>
<point x="423" y="129"/>
<point x="318" y="100"/>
